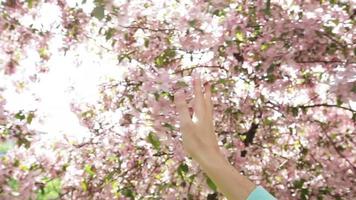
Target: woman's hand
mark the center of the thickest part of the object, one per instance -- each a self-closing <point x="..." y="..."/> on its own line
<point x="199" y="139"/>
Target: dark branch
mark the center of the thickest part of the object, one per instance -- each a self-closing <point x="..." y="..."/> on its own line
<point x="319" y="61"/>
<point x="200" y="66"/>
<point x="250" y="134"/>
<point x="150" y="29"/>
<point x="326" y="105"/>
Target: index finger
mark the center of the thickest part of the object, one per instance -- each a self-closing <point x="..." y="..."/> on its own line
<point x="198" y="96"/>
<point x="182" y="108"/>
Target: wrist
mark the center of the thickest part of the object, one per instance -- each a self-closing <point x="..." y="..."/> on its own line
<point x="213" y="161"/>
<point x="226" y="177"/>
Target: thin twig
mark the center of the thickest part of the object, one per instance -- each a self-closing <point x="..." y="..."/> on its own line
<point x="326" y="105"/>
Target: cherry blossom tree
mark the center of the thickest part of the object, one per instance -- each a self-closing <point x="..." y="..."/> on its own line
<point x="283" y="77"/>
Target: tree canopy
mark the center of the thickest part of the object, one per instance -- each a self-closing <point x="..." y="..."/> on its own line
<point x="283" y="77"/>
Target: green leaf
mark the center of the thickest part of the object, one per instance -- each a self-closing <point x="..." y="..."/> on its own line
<point x="240" y="36"/>
<point x="147" y="42"/>
<point x="265" y="46"/>
<point x="192" y="177"/>
<point x="5" y="132"/>
<point x="124" y="56"/>
<point x="214" y="89"/>
<point x="223" y="81"/>
<point x="267" y="10"/>
<point x="14" y="184"/>
<point x="338" y="101"/>
<point x="5" y="147"/>
<point x="109" y="33"/>
<point x="353" y="89"/>
<point x="182" y="84"/>
<point x="165" y="57"/>
<point x="153" y="139"/>
<point x="170" y="53"/>
<point x="166" y="95"/>
<point x="219" y="13"/>
<point x="182" y="170"/>
<point x="127" y="192"/>
<point x="304" y="194"/>
<point x="229" y="145"/>
<point x="271" y="68"/>
<point x="51" y="190"/>
<point x="298" y="184"/>
<point x="16" y="163"/>
<point x="192" y="23"/>
<point x="98" y="12"/>
<point x="295" y="111"/>
<point x="43" y="52"/>
<point x="31" y="3"/>
<point x="267" y="122"/>
<point x="20" y="116"/>
<point x="331" y="49"/>
<point x="88" y="169"/>
<point x="169" y="126"/>
<point x="30" y="117"/>
<point x="271" y="78"/>
<point x="304" y="151"/>
<point x="84" y="185"/>
<point x="324" y="190"/>
<point x="211" y="184"/>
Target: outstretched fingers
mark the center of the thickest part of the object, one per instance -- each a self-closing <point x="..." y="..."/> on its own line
<point x="198" y="97"/>
<point x="182" y="108"/>
<point x="207" y="98"/>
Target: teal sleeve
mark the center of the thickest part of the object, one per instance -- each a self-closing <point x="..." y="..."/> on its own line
<point x="259" y="193"/>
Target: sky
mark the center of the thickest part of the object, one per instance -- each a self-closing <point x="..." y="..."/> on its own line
<point x="72" y="77"/>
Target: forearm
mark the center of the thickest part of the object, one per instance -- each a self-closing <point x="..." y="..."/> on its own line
<point x="228" y="180"/>
<point x="200" y="141"/>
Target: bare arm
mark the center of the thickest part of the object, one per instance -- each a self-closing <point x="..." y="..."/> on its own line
<point x="200" y="142"/>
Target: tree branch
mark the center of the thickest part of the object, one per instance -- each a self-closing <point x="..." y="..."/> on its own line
<point x="320" y="61"/>
<point x="324" y="128"/>
<point x="326" y="105"/>
<point x="200" y="66"/>
<point x="150" y="29"/>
